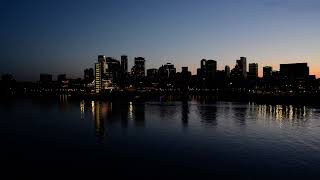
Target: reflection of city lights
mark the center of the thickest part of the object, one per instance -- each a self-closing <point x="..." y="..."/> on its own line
<point x="92" y="107"/>
<point x="290" y="113"/>
<point x="282" y="113"/>
<point x="130" y="113"/>
<point x="82" y="108"/>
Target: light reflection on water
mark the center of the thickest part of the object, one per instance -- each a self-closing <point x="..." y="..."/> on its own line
<point x="191" y="112"/>
<point x="198" y="134"/>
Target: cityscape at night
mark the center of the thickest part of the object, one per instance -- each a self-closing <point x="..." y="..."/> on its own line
<point x="111" y="77"/>
<point x="160" y="89"/>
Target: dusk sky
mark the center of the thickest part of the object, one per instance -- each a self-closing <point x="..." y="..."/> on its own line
<point x="67" y="36"/>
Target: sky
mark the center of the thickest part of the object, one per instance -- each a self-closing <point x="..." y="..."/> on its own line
<point x="66" y="36"/>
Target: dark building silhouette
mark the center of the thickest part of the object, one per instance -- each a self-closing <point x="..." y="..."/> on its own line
<point x="88" y="75"/>
<point x="152" y="75"/>
<point x="253" y="71"/>
<point x="138" y="70"/>
<point x="169" y="69"/>
<point x="227" y="71"/>
<point x="112" y="71"/>
<point x="236" y="73"/>
<point x="294" y="72"/>
<point x="124" y="63"/>
<point x="211" y="68"/>
<point x="267" y="72"/>
<point x="183" y="79"/>
<point x="203" y="69"/>
<point x="242" y="64"/>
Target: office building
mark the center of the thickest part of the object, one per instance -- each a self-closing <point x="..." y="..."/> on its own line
<point x="89" y="75"/>
<point x="124" y="63"/>
<point x="138" y="70"/>
<point x="98" y="78"/>
<point x="294" y="72"/>
<point x="253" y="71"/>
<point x="227" y="71"/>
<point x="112" y="70"/>
<point x="267" y="72"/>
<point x="242" y="65"/>
<point x="102" y="61"/>
<point x="211" y="68"/>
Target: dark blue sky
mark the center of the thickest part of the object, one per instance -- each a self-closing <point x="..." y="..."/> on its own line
<point x="66" y="36"/>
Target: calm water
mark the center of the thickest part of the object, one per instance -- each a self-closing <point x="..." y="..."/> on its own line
<point x="195" y="139"/>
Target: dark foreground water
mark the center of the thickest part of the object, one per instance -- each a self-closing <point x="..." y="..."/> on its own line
<point x="195" y="139"/>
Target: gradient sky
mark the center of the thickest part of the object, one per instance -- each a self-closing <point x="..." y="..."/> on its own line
<point x="65" y="36"/>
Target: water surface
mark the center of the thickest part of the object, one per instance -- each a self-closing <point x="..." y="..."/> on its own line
<point x="195" y="139"/>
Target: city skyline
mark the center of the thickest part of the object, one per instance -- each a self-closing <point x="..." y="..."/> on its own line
<point x="65" y="37"/>
<point x="193" y="69"/>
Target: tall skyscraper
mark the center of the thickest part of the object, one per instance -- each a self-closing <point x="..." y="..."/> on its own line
<point x="124" y="63"/>
<point x="139" y="67"/>
<point x="203" y="68"/>
<point x="98" y="76"/>
<point x="102" y="61"/>
<point x="211" y="68"/>
<point x="253" y="71"/>
<point x="169" y="69"/>
<point x="89" y="75"/>
<point x="152" y="74"/>
<point x="267" y="72"/>
<point x="242" y="64"/>
<point x="113" y="69"/>
<point x="227" y="71"/>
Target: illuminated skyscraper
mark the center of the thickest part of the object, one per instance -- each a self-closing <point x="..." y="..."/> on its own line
<point x="98" y="75"/>
<point x="102" y="61"/>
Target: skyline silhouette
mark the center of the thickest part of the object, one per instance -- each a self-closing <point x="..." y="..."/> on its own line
<point x="63" y="37"/>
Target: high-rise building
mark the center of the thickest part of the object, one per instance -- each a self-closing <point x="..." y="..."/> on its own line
<point x="112" y="71"/>
<point x="98" y="76"/>
<point x="124" y="63"/>
<point x="185" y="75"/>
<point x="203" y="63"/>
<point x="293" y="72"/>
<point x="89" y="75"/>
<point x="227" y="71"/>
<point x="203" y="68"/>
<point x="102" y="61"/>
<point x="152" y="74"/>
<point x="267" y="72"/>
<point x="253" y="71"/>
<point x="170" y="70"/>
<point x="211" y="68"/>
<point x="242" y="64"/>
<point x="138" y="69"/>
